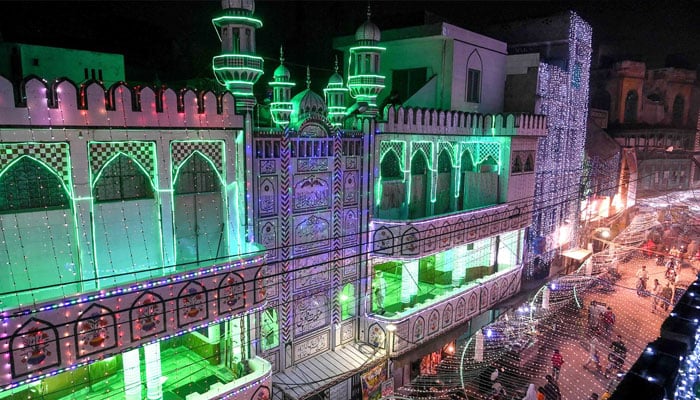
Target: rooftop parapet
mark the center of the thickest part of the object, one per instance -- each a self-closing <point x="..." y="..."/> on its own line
<point x="61" y="103"/>
<point x="423" y="120"/>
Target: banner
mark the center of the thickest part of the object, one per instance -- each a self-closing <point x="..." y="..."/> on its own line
<point x="371" y="382"/>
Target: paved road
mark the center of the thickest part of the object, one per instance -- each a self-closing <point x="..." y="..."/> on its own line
<point x="635" y="322"/>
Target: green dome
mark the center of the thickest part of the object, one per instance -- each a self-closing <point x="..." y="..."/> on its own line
<point x="281" y="72"/>
<point x="306" y="102"/>
<point x="368" y="31"/>
<point x="335" y="79"/>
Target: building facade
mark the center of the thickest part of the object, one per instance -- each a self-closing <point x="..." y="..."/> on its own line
<point x="653" y="113"/>
<point x="175" y="248"/>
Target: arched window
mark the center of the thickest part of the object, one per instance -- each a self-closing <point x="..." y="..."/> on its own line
<point x="631" y="107"/>
<point x="529" y="164"/>
<point x="390" y="166"/>
<point x="38" y="243"/>
<point x="29" y="186"/>
<point x="122" y="179"/>
<point x="466" y="168"/>
<point x="199" y="213"/>
<point x="444" y="190"/>
<point x="420" y="186"/>
<point x="127" y="238"/>
<point x="678" y="106"/>
<point x="488" y="165"/>
<point x="517" y="165"/>
<point x="473" y="78"/>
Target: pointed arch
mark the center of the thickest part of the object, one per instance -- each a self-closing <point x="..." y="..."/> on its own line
<point x="466" y="164"/>
<point x="199" y="210"/>
<point x="445" y="184"/>
<point x="28" y="184"/>
<point x="390" y="166"/>
<point x="517" y="166"/>
<point x="475" y="66"/>
<point x="33" y="198"/>
<point x="678" y="110"/>
<point x="419" y="197"/>
<point x="488" y="165"/>
<point x="126" y="215"/>
<point x="631" y="104"/>
<point x="122" y="178"/>
<point x="393" y="186"/>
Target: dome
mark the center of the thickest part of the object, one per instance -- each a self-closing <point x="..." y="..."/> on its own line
<point x="368" y="31"/>
<point x="335" y="79"/>
<point x="307" y="102"/>
<point x="281" y="72"/>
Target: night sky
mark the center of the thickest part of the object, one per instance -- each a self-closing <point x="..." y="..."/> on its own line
<point x="174" y="41"/>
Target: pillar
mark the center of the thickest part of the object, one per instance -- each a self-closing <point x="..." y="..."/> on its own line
<point x="154" y="386"/>
<point x="132" y="375"/>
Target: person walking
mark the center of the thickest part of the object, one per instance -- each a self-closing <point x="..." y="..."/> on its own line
<point x="551" y="389"/>
<point x="656" y="294"/>
<point x="666" y="295"/>
<point x="557" y="362"/>
<point x="531" y="393"/>
<point x="642" y="277"/>
<point x="540" y="393"/>
<point x="608" y="319"/>
<point x="592" y="354"/>
<point x="379" y="291"/>
<point x="617" y="356"/>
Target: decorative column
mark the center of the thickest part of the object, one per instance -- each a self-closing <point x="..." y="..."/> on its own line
<point x="154" y="386"/>
<point x="409" y="281"/>
<point x="459" y="261"/>
<point x="132" y="375"/>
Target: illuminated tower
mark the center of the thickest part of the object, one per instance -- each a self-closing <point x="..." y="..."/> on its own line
<point x="364" y="80"/>
<point x="237" y="67"/>
<point x="281" y="107"/>
<point x="335" y="97"/>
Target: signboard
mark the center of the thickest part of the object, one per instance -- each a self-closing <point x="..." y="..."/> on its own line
<point x="372" y="382"/>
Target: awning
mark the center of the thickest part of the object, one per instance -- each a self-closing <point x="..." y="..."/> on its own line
<point x="577" y="254"/>
<point x="327" y="369"/>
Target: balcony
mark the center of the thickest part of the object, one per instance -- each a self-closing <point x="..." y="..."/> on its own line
<point x="125" y="317"/>
<point x="411" y="239"/>
<point x="413" y="326"/>
<point x="237" y="61"/>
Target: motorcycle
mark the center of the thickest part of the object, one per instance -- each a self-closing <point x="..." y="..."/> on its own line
<point x="660" y="260"/>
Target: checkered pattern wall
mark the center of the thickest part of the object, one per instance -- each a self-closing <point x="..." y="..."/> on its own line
<point x="213" y="150"/>
<point x="100" y="153"/>
<point x="54" y="155"/>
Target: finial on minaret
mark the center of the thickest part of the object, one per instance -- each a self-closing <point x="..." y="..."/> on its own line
<point x="281" y="55"/>
<point x="369" y="11"/>
<point x="308" y="77"/>
<point x="336" y="64"/>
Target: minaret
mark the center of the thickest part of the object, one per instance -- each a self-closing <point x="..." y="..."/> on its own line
<point x="335" y="97"/>
<point x="238" y="67"/>
<point x="364" y="81"/>
<point x="281" y="107"/>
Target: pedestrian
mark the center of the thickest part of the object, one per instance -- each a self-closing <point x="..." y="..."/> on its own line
<point x="379" y="291"/>
<point x="656" y="294"/>
<point x="531" y="393"/>
<point x="617" y="356"/>
<point x="540" y="393"/>
<point x="592" y="353"/>
<point x="557" y="362"/>
<point x="608" y="320"/>
<point x="666" y="295"/>
<point x="551" y="389"/>
<point x="642" y="277"/>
